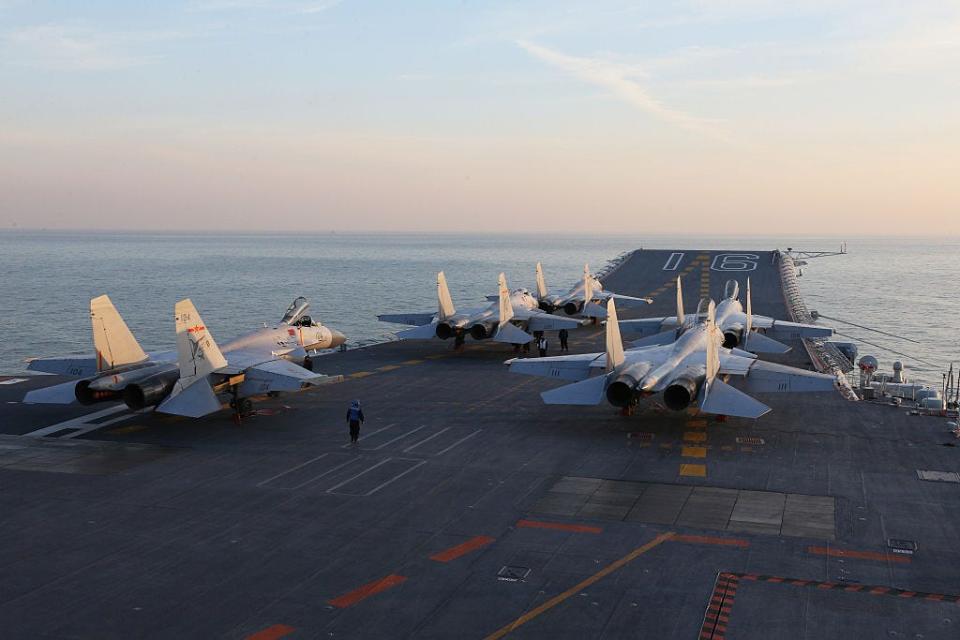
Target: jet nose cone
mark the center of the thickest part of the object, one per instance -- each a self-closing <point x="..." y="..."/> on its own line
<point x="336" y="338"/>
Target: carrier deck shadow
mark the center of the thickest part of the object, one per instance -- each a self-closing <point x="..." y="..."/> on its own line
<point x="472" y="510"/>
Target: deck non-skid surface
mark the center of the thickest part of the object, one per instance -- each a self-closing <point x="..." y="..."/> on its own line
<point x="433" y="525"/>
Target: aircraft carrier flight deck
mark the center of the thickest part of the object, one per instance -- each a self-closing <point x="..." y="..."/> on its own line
<point x="472" y="510"/>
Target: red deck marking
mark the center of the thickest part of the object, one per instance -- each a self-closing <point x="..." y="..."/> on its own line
<point x="367" y="590"/>
<point x="859" y="555"/>
<point x="462" y="549"/>
<point x="272" y="633"/>
<point x="559" y="526"/>
<point x="729" y="542"/>
<point x="717" y="616"/>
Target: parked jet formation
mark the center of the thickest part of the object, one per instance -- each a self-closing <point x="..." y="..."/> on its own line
<point x="508" y="319"/>
<point x="740" y="327"/>
<point x="587" y="298"/>
<point x="263" y="361"/>
<point x="686" y="372"/>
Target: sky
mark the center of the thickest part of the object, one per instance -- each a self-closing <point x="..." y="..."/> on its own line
<point x="729" y="116"/>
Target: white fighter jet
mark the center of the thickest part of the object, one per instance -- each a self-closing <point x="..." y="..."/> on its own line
<point x="740" y="326"/>
<point x="508" y="319"/>
<point x="585" y="299"/>
<point x="690" y="371"/>
<point x="266" y="360"/>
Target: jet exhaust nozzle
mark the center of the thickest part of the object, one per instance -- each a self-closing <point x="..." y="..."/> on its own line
<point x="444" y="331"/>
<point x="150" y="391"/>
<point x="87" y="396"/>
<point x="546" y="306"/>
<point x="573" y="307"/>
<point x="731" y="339"/>
<point x="481" y="331"/>
<point x="680" y="394"/>
<point x="622" y="392"/>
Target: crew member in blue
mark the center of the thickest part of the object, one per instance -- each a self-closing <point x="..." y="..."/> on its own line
<point x="354" y="419"/>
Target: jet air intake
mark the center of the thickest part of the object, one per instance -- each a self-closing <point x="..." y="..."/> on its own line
<point x="87" y="396"/>
<point x="684" y="388"/>
<point x="623" y="390"/>
<point x="150" y="391"/>
<point x="482" y="330"/>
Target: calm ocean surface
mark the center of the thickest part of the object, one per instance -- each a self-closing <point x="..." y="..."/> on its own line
<point x="901" y="286"/>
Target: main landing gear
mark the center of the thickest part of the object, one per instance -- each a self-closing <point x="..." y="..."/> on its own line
<point x="242" y="408"/>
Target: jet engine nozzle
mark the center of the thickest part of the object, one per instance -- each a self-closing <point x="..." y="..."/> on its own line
<point x="680" y="394"/>
<point x="622" y="392"/>
<point x="573" y="307"/>
<point x="150" y="391"/>
<point x="444" y="331"/>
<point x="87" y="396"/>
<point x="482" y="330"/>
<point x="732" y="336"/>
<point x="546" y="306"/>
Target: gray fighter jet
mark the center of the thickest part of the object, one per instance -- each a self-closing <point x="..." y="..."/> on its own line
<point x="740" y="326"/>
<point x="686" y="372"/>
<point x="266" y="360"/>
<point x="508" y="319"/>
<point x="585" y="299"/>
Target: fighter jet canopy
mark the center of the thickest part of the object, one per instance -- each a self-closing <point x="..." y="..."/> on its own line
<point x="703" y="307"/>
<point x="731" y="290"/>
<point x="296" y="309"/>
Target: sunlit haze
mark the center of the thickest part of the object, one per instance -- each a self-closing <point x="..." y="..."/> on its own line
<point x="735" y="117"/>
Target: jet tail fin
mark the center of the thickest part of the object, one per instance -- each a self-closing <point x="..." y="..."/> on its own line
<point x="681" y="317"/>
<point x="758" y="343"/>
<point x="112" y="339"/>
<point x="511" y="334"/>
<point x="587" y="284"/>
<point x="444" y="301"/>
<point x="505" y="307"/>
<point x="542" y="290"/>
<point x="722" y="399"/>
<point x="197" y="353"/>
<point x="198" y="356"/>
<point x="585" y="392"/>
<point x="713" y="344"/>
<point x="614" y="341"/>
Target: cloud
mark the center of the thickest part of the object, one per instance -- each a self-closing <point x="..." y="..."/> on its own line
<point x="78" y="48"/>
<point x="618" y="79"/>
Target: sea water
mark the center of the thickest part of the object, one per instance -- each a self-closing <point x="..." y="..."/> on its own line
<point x="238" y="282"/>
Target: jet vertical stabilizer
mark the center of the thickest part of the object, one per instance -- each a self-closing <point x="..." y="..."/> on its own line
<point x="446" y="310"/>
<point x="681" y="318"/>
<point x="506" y="331"/>
<point x="614" y="342"/>
<point x="112" y="339"/>
<point x="542" y="290"/>
<point x="199" y="356"/>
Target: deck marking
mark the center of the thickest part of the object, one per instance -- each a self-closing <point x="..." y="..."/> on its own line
<point x="558" y="526"/>
<point x="458" y="442"/>
<point x="462" y="549"/>
<point x="695" y="436"/>
<point x="693" y="470"/>
<point x="724" y="542"/>
<point x="360" y="374"/>
<point x="693" y="452"/>
<point x="409" y="362"/>
<point x="389" y="367"/>
<point x="367" y="590"/>
<point x="292" y="469"/>
<point x="580" y="586"/>
<point x="717" y="616"/>
<point x="272" y="633"/>
<point x="400" y="437"/>
<point x="379" y="486"/>
<point x="13" y="381"/>
<point x="83" y="424"/>
<point x="859" y="555"/>
<point x="673" y="261"/>
<point x="427" y="439"/>
<point x="371" y="434"/>
<point x="853" y="587"/>
<point x="325" y="473"/>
